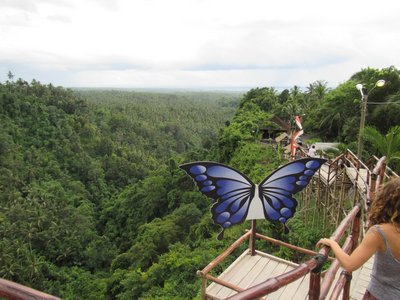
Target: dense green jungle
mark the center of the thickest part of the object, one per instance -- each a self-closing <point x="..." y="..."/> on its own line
<point x="93" y="204"/>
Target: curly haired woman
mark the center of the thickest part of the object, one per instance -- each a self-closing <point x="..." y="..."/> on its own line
<point x="383" y="240"/>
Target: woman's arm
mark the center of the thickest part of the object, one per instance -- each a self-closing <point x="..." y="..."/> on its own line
<point x="369" y="245"/>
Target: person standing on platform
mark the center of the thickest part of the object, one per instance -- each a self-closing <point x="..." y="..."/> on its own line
<point x="383" y="240"/>
<point x="312" y="152"/>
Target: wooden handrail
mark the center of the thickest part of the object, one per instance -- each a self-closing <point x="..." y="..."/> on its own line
<point x="287" y="245"/>
<point x="224" y="283"/>
<point x="357" y="170"/>
<point x="274" y="283"/>
<point x="337" y="159"/>
<point x="380" y="165"/>
<point x="345" y="223"/>
<point x="223" y="255"/>
<point x="355" y="158"/>
<point x="388" y="171"/>
<point x="354" y="162"/>
<point x="15" y="291"/>
<point x="331" y="273"/>
<point x="340" y="285"/>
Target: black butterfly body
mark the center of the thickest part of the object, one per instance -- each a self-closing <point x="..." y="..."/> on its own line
<point x="238" y="198"/>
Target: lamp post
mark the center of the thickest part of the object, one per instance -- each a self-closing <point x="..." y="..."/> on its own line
<point x="364" y="100"/>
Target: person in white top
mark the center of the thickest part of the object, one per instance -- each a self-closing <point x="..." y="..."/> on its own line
<point x="312" y="151"/>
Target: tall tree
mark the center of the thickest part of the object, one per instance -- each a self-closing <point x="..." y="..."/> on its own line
<point x="10" y="75"/>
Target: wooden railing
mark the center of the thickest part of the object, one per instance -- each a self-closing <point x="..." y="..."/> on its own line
<point x="353" y="219"/>
<point x="204" y="274"/>
<point x="363" y="187"/>
<point x="250" y="235"/>
<point x="313" y="266"/>
<point x="14" y="291"/>
<point x="388" y="172"/>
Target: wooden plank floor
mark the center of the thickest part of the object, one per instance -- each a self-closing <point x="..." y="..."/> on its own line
<point x="324" y="171"/>
<point x="248" y="271"/>
<point x="361" y="179"/>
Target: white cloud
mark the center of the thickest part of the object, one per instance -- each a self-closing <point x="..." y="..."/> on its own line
<point x="196" y="42"/>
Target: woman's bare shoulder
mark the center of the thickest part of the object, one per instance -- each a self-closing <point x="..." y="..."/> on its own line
<point x="390" y="227"/>
<point x="392" y="234"/>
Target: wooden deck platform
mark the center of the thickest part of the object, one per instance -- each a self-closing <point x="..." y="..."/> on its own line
<point x="248" y="271"/>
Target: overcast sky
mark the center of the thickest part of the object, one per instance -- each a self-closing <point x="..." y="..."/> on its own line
<point x="196" y="43"/>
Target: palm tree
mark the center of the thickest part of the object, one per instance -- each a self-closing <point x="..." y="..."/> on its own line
<point x="385" y="145"/>
<point x="317" y="90"/>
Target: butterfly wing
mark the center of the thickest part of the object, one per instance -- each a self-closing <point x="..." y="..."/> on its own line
<point x="276" y="191"/>
<point x="232" y="190"/>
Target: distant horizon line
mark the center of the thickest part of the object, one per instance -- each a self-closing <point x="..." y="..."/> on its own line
<point x="237" y="89"/>
<point x="202" y="89"/>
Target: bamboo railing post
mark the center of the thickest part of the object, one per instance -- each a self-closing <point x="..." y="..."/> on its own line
<point x="372" y="188"/>
<point x="315" y="286"/>
<point x="329" y="276"/>
<point x="252" y="239"/>
<point x="341" y="195"/>
<point x="355" y="235"/>
<point x="355" y="230"/>
<point x="342" y="284"/>
<point x="315" y="277"/>
<point x="382" y="172"/>
<point x="203" y="286"/>
<point x="346" y="288"/>
<point x="319" y="198"/>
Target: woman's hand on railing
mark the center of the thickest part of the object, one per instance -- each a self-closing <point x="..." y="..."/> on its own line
<point x="325" y="242"/>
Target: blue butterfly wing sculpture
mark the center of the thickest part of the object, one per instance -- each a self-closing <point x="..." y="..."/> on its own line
<point x="235" y="192"/>
<point x="276" y="191"/>
<point x="232" y="190"/>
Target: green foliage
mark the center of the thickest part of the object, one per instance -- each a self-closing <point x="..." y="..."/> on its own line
<point x="255" y="160"/>
<point x="384" y="145"/>
<point x="84" y="181"/>
<point x="244" y="126"/>
<point x="94" y="205"/>
<point x="337" y="116"/>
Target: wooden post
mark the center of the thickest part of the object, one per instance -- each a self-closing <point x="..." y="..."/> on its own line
<point x="372" y="187"/>
<point x="315" y="286"/>
<point x="346" y="288"/>
<point x="203" y="288"/>
<point x="341" y="195"/>
<point x="315" y="276"/>
<point x="355" y="230"/>
<point x="382" y="172"/>
<point x="306" y="203"/>
<point x="252" y="240"/>
<point x="355" y="235"/>
<point x="292" y="148"/>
